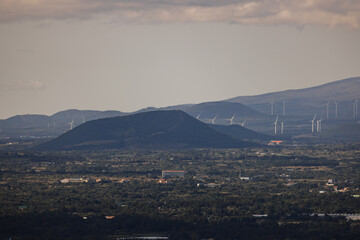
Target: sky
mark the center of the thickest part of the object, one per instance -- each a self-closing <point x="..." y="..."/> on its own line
<point x="129" y="54"/>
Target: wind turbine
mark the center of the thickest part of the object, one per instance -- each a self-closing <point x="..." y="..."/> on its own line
<point x="354" y="112"/>
<point x="243" y="123"/>
<point x="313" y="123"/>
<point x="198" y="116"/>
<point x="83" y="119"/>
<point x="318" y="125"/>
<point x="284" y="102"/>
<point x="272" y="105"/>
<point x="282" y="126"/>
<point x="232" y="119"/>
<point x="72" y="123"/>
<point x="355" y="107"/>
<point x="336" y="110"/>
<point x="213" y="120"/>
<point x="275" y="123"/>
<point x="327" y="109"/>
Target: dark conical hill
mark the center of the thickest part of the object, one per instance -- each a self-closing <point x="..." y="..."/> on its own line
<point x="148" y="130"/>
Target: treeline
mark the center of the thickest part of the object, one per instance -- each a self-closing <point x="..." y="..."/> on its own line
<point x="62" y="226"/>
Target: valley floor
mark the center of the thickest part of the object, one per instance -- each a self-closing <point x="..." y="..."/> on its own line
<point x="263" y="193"/>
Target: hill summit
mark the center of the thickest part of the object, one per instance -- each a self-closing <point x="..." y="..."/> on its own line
<point x="149" y="130"/>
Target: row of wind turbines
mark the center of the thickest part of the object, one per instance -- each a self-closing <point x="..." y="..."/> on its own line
<point x="231" y="120"/>
<point x="276" y="123"/>
<point x="355" y="108"/>
<point x="318" y="125"/>
<point x="272" y="104"/>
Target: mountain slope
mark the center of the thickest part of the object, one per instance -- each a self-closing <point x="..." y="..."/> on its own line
<point x="239" y="132"/>
<point x="148" y="130"/>
<point x="25" y="121"/>
<point x="208" y="110"/>
<point x="222" y="109"/>
<point x="349" y="132"/>
<point x="309" y="101"/>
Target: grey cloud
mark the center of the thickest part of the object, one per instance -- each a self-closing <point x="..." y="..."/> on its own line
<point x="332" y="13"/>
<point x="22" y="85"/>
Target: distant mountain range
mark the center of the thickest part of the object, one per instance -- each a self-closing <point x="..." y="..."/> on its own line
<point x="43" y="125"/>
<point x="54" y="125"/>
<point x="300" y="107"/>
<point x="149" y="130"/>
<point x="60" y="118"/>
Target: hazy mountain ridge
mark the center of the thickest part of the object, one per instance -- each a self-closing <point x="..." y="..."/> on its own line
<point x="148" y="130"/>
<point x="60" y="122"/>
<point x="222" y="110"/>
<point x="208" y="110"/>
<point x="300" y="107"/>
<point x="54" y="125"/>
<point x="308" y="101"/>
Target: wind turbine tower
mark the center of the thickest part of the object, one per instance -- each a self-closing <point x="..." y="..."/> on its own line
<point x="282" y="127"/>
<point x="327" y="109"/>
<point x="275" y="124"/>
<point x="313" y="124"/>
<point x="71" y="124"/>
<point x="243" y="123"/>
<point x="318" y="125"/>
<point x="232" y="119"/>
<point x="198" y="116"/>
<point x="336" y="110"/>
<point x="272" y="106"/>
<point x="355" y="108"/>
<point x="284" y="105"/>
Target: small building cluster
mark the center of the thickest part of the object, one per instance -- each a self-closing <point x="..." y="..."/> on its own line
<point x="162" y="181"/>
<point x="331" y="182"/>
<point x="274" y="142"/>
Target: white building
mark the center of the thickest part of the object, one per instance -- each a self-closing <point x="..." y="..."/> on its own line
<point x="73" y="180"/>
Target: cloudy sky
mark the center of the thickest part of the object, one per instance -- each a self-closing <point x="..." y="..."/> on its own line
<point x="129" y="54"/>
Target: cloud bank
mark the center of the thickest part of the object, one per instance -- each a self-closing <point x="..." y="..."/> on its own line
<point x="22" y="85"/>
<point x="331" y="13"/>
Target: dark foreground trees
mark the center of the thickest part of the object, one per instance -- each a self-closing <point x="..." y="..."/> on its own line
<point x="69" y="226"/>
